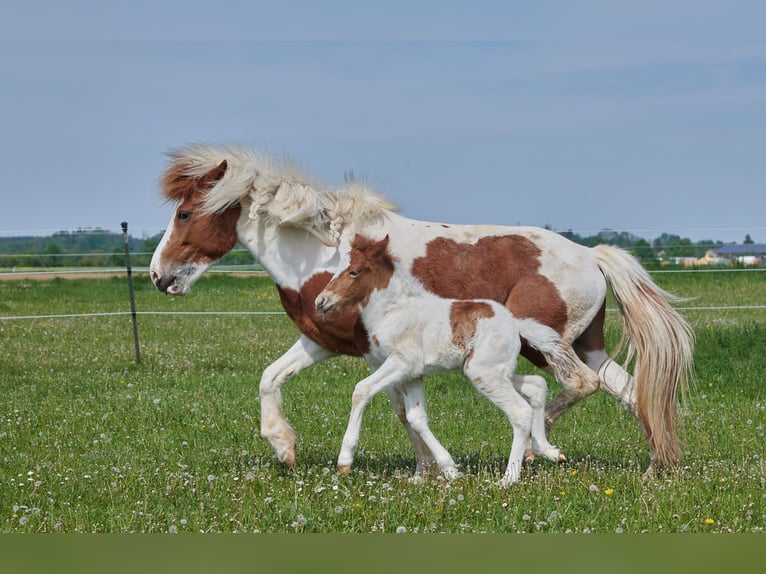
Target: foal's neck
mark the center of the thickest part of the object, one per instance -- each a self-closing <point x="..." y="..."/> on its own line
<point x="401" y="290"/>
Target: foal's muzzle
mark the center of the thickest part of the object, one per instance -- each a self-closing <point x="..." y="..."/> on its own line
<point x="323" y="304"/>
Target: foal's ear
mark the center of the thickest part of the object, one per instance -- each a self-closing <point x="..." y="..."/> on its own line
<point x="380" y="248"/>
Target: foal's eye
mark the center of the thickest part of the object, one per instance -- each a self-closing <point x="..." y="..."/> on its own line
<point x="353" y="274"/>
<point x="184" y="215"/>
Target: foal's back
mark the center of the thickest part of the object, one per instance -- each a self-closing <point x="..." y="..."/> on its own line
<point x="403" y="317"/>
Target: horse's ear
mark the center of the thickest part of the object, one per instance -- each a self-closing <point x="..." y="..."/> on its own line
<point x="215" y="174"/>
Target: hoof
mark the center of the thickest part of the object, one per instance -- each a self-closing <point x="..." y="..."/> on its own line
<point x="529" y="457"/>
<point x="562" y="458"/>
<point x="344" y="469"/>
<point x="506" y="483"/>
<point x="452" y="474"/>
<point x="650" y="473"/>
<point x="289" y="460"/>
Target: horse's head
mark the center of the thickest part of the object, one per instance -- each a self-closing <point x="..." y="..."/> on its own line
<point x="195" y="236"/>
<point x="370" y="267"/>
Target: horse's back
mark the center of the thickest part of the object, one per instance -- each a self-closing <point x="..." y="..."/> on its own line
<point x="535" y="272"/>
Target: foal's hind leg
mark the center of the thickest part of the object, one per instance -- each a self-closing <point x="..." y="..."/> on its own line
<point x="534" y="389"/>
<point x="490" y="377"/>
<point x="576" y="379"/>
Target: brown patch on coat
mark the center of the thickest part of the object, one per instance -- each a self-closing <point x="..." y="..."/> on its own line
<point x="177" y="184"/>
<point x="503" y="268"/>
<point x="198" y="236"/>
<point x="592" y="339"/>
<point x="344" y="333"/>
<point x="464" y="316"/>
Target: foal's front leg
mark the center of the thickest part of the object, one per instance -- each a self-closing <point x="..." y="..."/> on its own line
<point x="386" y="376"/>
<point x="403" y="397"/>
<point x="418" y="421"/>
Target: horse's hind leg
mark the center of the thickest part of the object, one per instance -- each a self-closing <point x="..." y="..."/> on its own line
<point x="534" y="389"/>
<point x="274" y="427"/>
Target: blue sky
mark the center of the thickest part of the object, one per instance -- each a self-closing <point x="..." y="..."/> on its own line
<point x="582" y="116"/>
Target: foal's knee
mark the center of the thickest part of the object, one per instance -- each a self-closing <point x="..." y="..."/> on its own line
<point x="535" y="390"/>
<point x="417" y="418"/>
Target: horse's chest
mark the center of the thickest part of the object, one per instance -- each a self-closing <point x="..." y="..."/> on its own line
<point x="344" y="333"/>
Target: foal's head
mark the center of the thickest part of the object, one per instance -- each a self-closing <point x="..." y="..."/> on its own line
<point x="370" y="267"/>
<point x="195" y="237"/>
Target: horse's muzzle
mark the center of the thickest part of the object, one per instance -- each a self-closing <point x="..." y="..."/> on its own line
<point x="161" y="282"/>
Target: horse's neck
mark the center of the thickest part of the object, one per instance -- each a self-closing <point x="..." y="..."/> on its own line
<point x="289" y="255"/>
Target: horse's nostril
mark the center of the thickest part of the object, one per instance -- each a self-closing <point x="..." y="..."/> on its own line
<point x="162" y="283"/>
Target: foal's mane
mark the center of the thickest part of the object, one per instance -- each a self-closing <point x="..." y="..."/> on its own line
<point x="278" y="190"/>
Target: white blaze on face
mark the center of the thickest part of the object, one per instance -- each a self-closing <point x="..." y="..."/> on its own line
<point x="155" y="267"/>
<point x="170" y="276"/>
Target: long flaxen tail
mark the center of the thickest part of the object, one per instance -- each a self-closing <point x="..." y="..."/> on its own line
<point x="662" y="343"/>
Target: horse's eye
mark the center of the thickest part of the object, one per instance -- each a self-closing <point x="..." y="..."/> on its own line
<point x="353" y="274"/>
<point x="184" y="215"/>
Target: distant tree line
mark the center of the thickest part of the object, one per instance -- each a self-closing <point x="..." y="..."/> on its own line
<point x="665" y="247"/>
<point x="89" y="248"/>
<point x="101" y="248"/>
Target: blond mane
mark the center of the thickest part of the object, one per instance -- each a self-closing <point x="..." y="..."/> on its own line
<point x="276" y="190"/>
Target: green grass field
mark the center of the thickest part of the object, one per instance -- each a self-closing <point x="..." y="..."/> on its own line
<point x="91" y="442"/>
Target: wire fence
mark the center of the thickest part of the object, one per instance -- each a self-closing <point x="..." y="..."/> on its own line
<point x="282" y="313"/>
<point x="244" y="270"/>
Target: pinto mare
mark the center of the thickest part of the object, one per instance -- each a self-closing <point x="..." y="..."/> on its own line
<point x="296" y="229"/>
<point x="414" y="332"/>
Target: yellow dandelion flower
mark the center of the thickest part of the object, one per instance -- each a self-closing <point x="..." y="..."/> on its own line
<point x="609" y="491"/>
<point x="357" y="505"/>
<point x="709" y="521"/>
<point x="573" y="472"/>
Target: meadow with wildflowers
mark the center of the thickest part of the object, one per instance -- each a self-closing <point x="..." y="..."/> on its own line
<point x="92" y="442"/>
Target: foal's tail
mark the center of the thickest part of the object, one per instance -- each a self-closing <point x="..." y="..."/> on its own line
<point x="662" y="343"/>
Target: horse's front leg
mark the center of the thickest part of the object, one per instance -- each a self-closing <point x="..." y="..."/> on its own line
<point x="274" y="427"/>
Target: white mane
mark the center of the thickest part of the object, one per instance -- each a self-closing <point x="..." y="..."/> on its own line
<point x="277" y="191"/>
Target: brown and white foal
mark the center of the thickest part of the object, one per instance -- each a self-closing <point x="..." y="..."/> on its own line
<point x="413" y="332"/>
